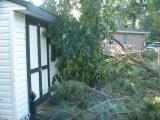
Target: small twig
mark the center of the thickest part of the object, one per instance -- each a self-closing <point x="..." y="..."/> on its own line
<point x="112" y="113"/>
<point x="115" y="113"/>
<point x="106" y="110"/>
<point x="100" y="93"/>
<point x="114" y="99"/>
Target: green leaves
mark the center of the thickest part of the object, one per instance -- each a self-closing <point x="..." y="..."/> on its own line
<point x="73" y="91"/>
<point x="82" y="57"/>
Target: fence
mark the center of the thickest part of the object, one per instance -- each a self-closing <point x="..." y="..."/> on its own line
<point x="149" y="57"/>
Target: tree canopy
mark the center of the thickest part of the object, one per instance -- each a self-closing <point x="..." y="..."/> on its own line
<point x="143" y="16"/>
<point x="83" y="24"/>
<point x="151" y="20"/>
<point x="79" y="39"/>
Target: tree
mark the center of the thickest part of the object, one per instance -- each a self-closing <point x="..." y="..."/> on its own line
<point x="151" y="20"/>
<point x="141" y="15"/>
<point x="129" y="12"/>
<point x="80" y="39"/>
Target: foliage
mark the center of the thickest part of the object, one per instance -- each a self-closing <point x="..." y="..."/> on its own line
<point x="150" y="23"/>
<point x="139" y="15"/>
<point x="73" y="91"/>
<point x="127" y="100"/>
<point x="150" y="55"/>
<point x="80" y="38"/>
<point x="151" y="20"/>
<point x="129" y="12"/>
<point x="117" y="70"/>
<point x="130" y="95"/>
<point x="128" y="86"/>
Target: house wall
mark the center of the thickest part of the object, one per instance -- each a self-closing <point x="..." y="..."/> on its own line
<point x="13" y="73"/>
<point x="20" y="67"/>
<point x="6" y="97"/>
<point x="137" y="41"/>
<point x="13" y="83"/>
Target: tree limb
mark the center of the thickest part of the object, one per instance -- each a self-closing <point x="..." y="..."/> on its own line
<point x="140" y="63"/>
<point x="89" y="109"/>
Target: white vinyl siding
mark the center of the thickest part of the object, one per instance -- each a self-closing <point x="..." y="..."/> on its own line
<point x="13" y="68"/>
<point x="7" y="89"/>
<point x="6" y="104"/>
<point x="7" y="6"/>
<point x="13" y="73"/>
<point x="20" y="70"/>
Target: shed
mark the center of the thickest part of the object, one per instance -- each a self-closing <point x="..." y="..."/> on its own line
<point x="135" y="39"/>
<point x="25" y="57"/>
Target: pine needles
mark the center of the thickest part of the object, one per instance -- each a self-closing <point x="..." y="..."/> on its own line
<point x="77" y="101"/>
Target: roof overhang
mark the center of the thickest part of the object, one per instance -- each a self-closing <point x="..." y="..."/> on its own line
<point x="32" y="10"/>
<point x="130" y="32"/>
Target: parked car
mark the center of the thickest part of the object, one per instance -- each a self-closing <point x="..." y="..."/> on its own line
<point x="154" y="46"/>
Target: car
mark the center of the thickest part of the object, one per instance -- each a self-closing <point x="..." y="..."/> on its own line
<point x="155" y="46"/>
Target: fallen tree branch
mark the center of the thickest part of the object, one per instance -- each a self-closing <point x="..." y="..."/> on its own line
<point x="107" y="110"/>
<point x="115" y="113"/>
<point x="109" y="100"/>
<point x="89" y="109"/>
<point x="100" y="113"/>
<point x="140" y="63"/>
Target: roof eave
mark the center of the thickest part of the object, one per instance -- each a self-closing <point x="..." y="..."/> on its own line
<point x="131" y="32"/>
<point x="36" y="11"/>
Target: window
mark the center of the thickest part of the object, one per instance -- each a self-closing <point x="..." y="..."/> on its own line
<point x="55" y="52"/>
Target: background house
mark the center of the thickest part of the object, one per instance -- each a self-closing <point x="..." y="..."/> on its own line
<point x="132" y="38"/>
<point x="25" y="57"/>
